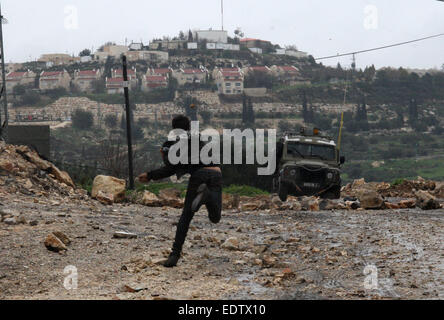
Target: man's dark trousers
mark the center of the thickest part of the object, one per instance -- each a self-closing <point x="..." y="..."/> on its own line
<point x="213" y="180"/>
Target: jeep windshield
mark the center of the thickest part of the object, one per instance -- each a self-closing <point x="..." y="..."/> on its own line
<point x="305" y="150"/>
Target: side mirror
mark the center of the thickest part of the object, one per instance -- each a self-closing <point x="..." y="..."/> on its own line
<point x="342" y="159"/>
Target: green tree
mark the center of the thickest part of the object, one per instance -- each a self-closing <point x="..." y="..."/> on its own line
<point x="82" y="119"/>
<point x="111" y="121"/>
<point x="98" y="86"/>
<point x="31" y="98"/>
<point x="250" y="112"/>
<point x="206" y="116"/>
<point x="18" y="90"/>
<point x="244" y="109"/>
<point x="85" y="53"/>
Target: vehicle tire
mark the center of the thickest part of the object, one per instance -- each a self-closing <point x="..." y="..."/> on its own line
<point x="283" y="192"/>
<point x="275" y="185"/>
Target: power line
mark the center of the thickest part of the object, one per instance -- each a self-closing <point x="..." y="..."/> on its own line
<point x="380" y="48"/>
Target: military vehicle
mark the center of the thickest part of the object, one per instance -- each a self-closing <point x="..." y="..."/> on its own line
<point x="308" y="165"/>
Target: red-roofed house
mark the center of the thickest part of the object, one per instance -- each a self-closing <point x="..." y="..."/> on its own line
<point x="114" y="85"/>
<point x="217" y="69"/>
<point x="285" y="73"/>
<point x="13" y="79"/>
<point x="190" y="76"/>
<point x="132" y="76"/>
<point x="154" y="82"/>
<point x="252" y="69"/>
<point x="166" y="72"/>
<point x="230" y="81"/>
<point x="84" y="79"/>
<point x="54" y="79"/>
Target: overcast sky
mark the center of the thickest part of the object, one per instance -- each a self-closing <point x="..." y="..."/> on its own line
<point x="319" y="27"/>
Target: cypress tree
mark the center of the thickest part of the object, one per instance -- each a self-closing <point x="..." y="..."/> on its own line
<point x="251" y="117"/>
<point x="244" y="109"/>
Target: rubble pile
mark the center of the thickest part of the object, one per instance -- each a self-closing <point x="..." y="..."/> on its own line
<point x="358" y="195"/>
<point x="23" y="171"/>
<point x="407" y="194"/>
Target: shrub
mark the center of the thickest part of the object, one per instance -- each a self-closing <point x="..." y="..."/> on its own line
<point x="111" y="121"/>
<point x="247" y="191"/>
<point x="82" y="119"/>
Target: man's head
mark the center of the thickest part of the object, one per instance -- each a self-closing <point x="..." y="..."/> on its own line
<point x="181" y="122"/>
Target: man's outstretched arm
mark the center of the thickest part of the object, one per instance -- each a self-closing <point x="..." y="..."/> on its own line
<point x="157" y="174"/>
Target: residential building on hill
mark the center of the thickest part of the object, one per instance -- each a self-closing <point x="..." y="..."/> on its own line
<point x="115" y="85"/>
<point x="285" y="74"/>
<point x="57" y="59"/>
<point x="132" y="76"/>
<point x="13" y="79"/>
<point x="150" y="82"/>
<point x="166" y="72"/>
<point x="218" y="36"/>
<point x="84" y="79"/>
<point x="190" y="76"/>
<point x="150" y="56"/>
<point x="50" y="80"/>
<point x="168" y="44"/>
<point x="230" y="81"/>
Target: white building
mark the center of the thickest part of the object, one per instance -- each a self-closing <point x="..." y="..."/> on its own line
<point x="211" y="36"/>
<point x="230" y="81"/>
<point x="192" y="45"/>
<point x="256" y="50"/>
<point x="297" y="54"/>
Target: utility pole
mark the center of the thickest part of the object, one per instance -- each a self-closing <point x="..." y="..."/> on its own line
<point x="128" y="123"/>
<point x="4" y="130"/>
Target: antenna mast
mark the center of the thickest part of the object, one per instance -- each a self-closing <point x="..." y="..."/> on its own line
<point x="222" y="11"/>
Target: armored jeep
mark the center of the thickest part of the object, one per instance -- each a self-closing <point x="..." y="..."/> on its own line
<point x="308" y="165"/>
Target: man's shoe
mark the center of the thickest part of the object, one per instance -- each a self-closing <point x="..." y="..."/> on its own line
<point x="202" y="194"/>
<point x="172" y="260"/>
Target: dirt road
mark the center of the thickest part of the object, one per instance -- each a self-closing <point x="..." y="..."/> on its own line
<point x="396" y="254"/>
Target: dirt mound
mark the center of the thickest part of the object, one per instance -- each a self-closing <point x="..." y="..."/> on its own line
<point x="22" y="170"/>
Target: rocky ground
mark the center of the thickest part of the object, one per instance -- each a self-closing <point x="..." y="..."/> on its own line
<point x="283" y="255"/>
<point x="303" y="249"/>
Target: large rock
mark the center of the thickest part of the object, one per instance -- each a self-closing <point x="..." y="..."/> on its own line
<point x="171" y="198"/>
<point x="231" y="244"/>
<point x="327" y="204"/>
<point x="6" y="165"/>
<point x="53" y="243"/>
<point x="407" y="203"/>
<point x="105" y="198"/>
<point x="439" y="190"/>
<point x="358" y="183"/>
<point x="150" y="199"/>
<point x="109" y="185"/>
<point x="62" y="176"/>
<point x="262" y="202"/>
<point x="426" y="201"/>
<point x="310" y="204"/>
<point x="62" y="237"/>
<point x="230" y="201"/>
<point x="370" y="199"/>
<point x="33" y="157"/>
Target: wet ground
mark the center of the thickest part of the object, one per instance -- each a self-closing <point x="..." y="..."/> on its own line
<point x="386" y="254"/>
